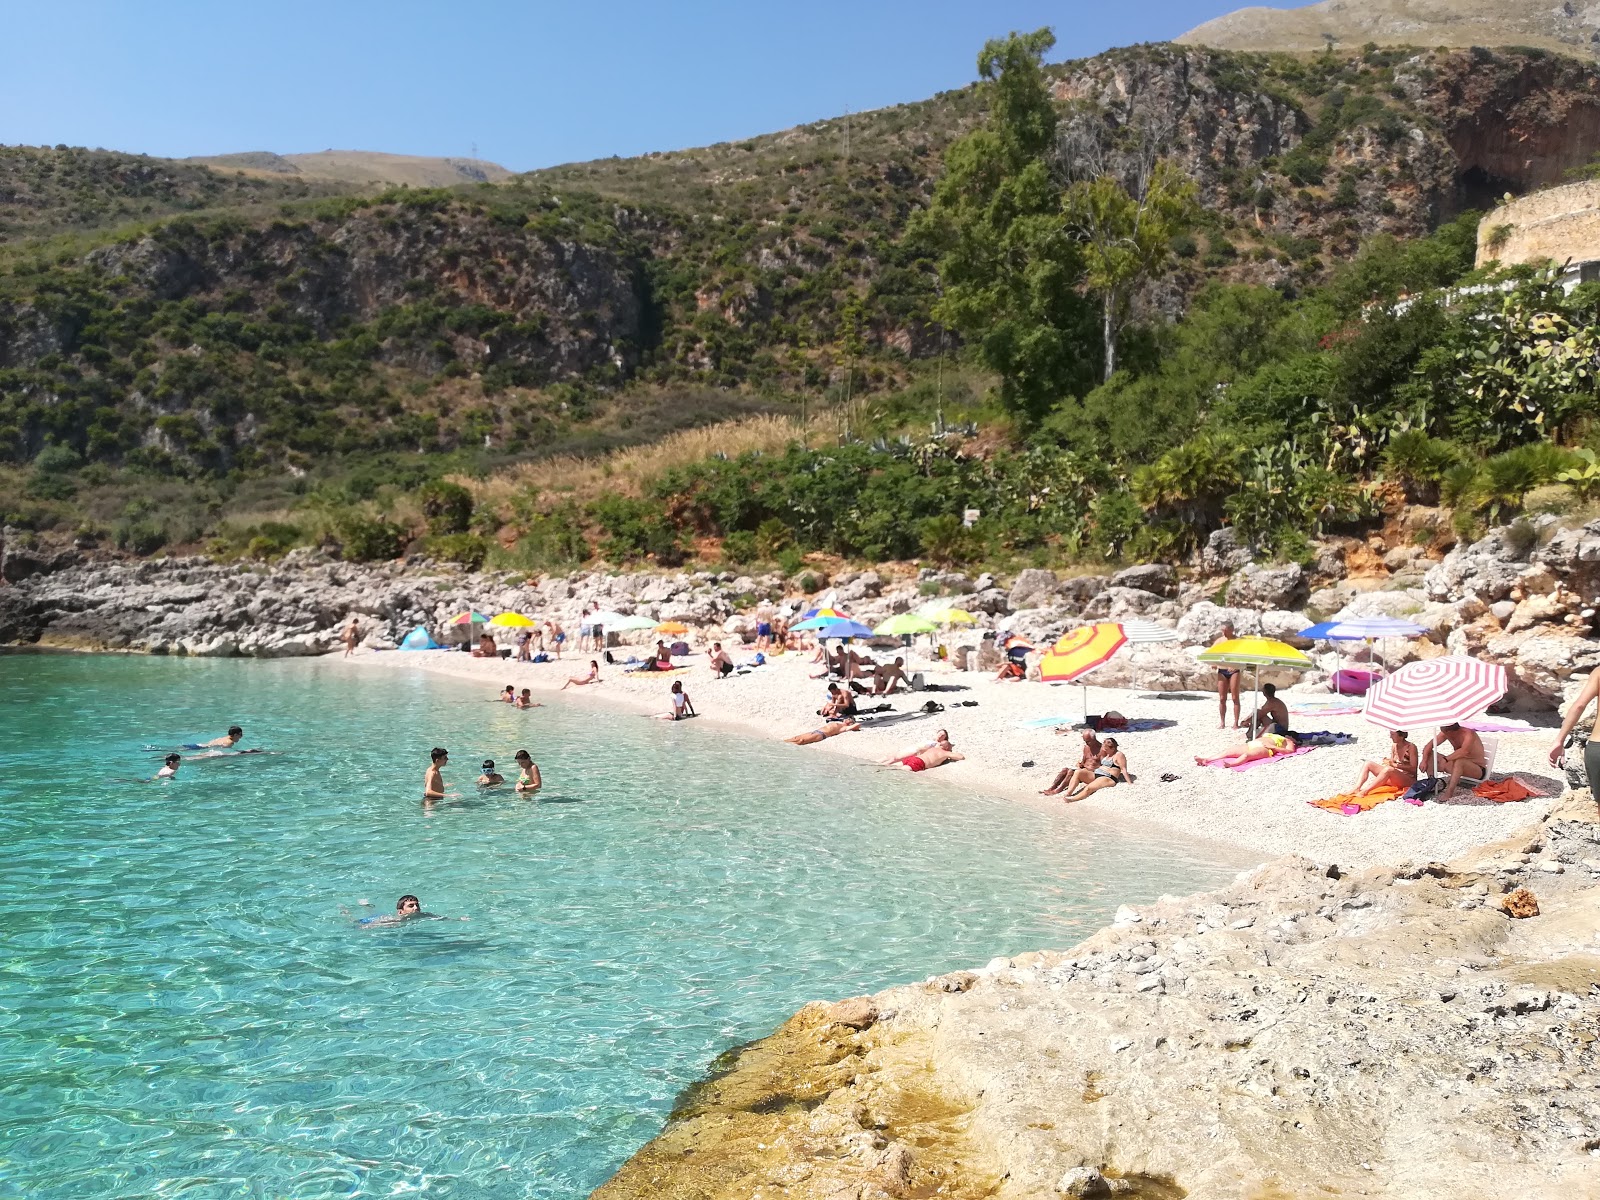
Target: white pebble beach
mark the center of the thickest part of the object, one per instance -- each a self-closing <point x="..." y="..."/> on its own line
<point x="1250" y="815"/>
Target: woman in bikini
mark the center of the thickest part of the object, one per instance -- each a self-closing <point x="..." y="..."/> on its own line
<point x="1398" y="770"/>
<point x="578" y="681"/>
<point x="1268" y="745"/>
<point x="1112" y="770"/>
<point x="1229" y="680"/>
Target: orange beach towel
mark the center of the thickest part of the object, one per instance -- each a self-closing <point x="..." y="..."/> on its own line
<point x="1504" y="791"/>
<point x="1350" y="804"/>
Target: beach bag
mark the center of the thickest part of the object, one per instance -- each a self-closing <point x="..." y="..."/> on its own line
<point x="1422" y="789"/>
<point x="610" y="660"/>
<point x="917" y="682"/>
<point x="540" y="657"/>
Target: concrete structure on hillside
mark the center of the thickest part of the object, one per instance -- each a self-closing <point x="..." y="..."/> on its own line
<point x="1559" y="226"/>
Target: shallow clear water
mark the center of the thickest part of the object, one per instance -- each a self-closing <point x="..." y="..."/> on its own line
<point x="186" y="1008"/>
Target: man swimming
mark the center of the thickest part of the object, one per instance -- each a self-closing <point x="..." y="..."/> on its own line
<point x="528" y="777"/>
<point x="433" y="780"/>
<point x="526" y="700"/>
<point x="490" y="776"/>
<point x="233" y="737"/>
<point x="407" y="908"/>
<point x="509" y="696"/>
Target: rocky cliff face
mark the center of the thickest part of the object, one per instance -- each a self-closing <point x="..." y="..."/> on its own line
<point x="1304" y="1032"/>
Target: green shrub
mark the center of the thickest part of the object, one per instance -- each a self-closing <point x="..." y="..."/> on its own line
<point x="947" y="541"/>
<point x="369" y="539"/>
<point x="271" y="539"/>
<point x="467" y="549"/>
<point x="1418" y="463"/>
<point x="446" y="506"/>
<point x="739" y="547"/>
<point x="790" y="561"/>
<point x="772" y="536"/>
<point x="140" y="537"/>
<point x="808" y="583"/>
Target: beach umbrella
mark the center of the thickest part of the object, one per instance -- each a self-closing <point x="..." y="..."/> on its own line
<point x="1255" y="652"/>
<point x="825" y="612"/>
<point x="819" y="622"/>
<point x="843" y="629"/>
<point x="675" y="627"/>
<point x="1079" y="651"/>
<point x="1435" y="691"/>
<point x="1363" y="629"/>
<point x="418" y="639"/>
<point x="615" y="622"/>
<point x="468" y="618"/>
<point x="511" y="620"/>
<point x="905" y="623"/>
<point x="1140" y="632"/>
<point x="952" y="616"/>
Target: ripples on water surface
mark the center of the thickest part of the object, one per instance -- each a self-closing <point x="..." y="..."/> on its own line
<point x="184" y="1009"/>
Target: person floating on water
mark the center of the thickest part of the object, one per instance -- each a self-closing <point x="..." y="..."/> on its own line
<point x="433" y="780"/>
<point x="172" y="762"/>
<point x="407" y="908"/>
<point x="490" y="776"/>
<point x="528" y="778"/>
<point x="232" y="738"/>
<point x="509" y="696"/>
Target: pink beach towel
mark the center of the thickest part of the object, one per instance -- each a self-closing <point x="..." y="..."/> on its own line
<point x="1261" y="762"/>
<point x="1500" y="725"/>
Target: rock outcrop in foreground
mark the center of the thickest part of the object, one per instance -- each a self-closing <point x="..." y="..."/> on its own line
<point x="1300" y="1033"/>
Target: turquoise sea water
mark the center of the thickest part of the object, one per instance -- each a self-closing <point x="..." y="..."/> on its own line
<point x="186" y="1009"/>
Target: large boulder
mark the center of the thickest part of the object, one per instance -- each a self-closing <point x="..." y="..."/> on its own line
<point x="1260" y="587"/>
<point x="1538" y="667"/>
<point x="1149" y="577"/>
<point x="1117" y="602"/>
<point x="1081" y="589"/>
<point x="1032" y="588"/>
<point x="1163" y="667"/>
<point x="1202" y="623"/>
<point x="1224" y="551"/>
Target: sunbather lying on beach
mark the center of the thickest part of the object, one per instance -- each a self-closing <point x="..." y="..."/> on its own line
<point x="1083" y="771"/>
<point x="831" y="729"/>
<point x="1398" y="770"/>
<point x="592" y="677"/>
<point x="935" y="754"/>
<point x="1111" y="770"/>
<point x="1467" y="759"/>
<point x="1267" y="745"/>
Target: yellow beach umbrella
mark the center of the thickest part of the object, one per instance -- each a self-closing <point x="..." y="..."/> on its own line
<point x="1079" y="651"/>
<point x="672" y="627"/>
<point x="953" y="616"/>
<point x="511" y="620"/>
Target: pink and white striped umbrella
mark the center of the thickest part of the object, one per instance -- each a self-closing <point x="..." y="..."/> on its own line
<point x="1435" y="691"/>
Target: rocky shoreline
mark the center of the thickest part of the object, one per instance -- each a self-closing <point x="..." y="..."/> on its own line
<point x="1525" y="596"/>
<point x="1303" y="1032"/>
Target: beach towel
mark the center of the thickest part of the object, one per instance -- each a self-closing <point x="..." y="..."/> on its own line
<point x="1351" y="804"/>
<point x="1322" y="737"/>
<point x="1504" y="791"/>
<point x="1261" y="762"/>
<point x="1340" y="708"/>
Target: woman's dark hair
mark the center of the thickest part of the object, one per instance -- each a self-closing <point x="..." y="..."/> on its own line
<point x="677" y="686"/>
<point x="439" y="752"/>
<point x="1400" y="733"/>
<point x="1111" y="742"/>
<point x="521" y="755"/>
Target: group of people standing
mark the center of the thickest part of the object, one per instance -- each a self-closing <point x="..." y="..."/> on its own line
<point x="528" y="782"/>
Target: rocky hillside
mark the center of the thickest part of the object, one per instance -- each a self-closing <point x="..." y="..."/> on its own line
<point x="360" y="168"/>
<point x="426" y="321"/>
<point x="1567" y="28"/>
<point x="46" y="191"/>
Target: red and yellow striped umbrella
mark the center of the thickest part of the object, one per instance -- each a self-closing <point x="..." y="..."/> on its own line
<point x="1080" y="651"/>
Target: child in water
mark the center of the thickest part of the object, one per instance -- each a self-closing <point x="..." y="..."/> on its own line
<point x="173" y="761"/>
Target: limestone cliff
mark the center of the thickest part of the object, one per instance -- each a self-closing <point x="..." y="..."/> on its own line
<point x="1301" y="1033"/>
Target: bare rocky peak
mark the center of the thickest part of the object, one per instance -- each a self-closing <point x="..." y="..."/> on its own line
<point x="1565" y="26"/>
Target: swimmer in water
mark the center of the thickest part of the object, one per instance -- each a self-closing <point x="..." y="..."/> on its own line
<point x="528" y="778"/>
<point x="407" y="908"/>
<point x="433" y="781"/>
<point x="173" y="761"/>
<point x="509" y="696"/>
<point x="490" y="776"/>
<point x="526" y="700"/>
<point x="232" y="738"/>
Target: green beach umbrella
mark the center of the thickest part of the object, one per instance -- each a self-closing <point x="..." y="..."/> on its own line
<point x="904" y="623"/>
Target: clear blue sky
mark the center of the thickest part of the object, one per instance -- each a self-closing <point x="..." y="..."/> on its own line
<point x="530" y="83"/>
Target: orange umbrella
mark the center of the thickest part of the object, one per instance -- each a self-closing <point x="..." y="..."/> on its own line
<point x="672" y="627"/>
<point x="1080" y="651"/>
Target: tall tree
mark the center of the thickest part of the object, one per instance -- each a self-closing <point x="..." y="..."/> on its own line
<point x="1124" y="205"/>
<point x="1010" y="272"/>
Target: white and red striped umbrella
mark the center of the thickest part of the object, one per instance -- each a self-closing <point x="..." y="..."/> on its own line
<point x="1435" y="691"/>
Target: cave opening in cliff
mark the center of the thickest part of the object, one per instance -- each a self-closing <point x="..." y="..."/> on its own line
<point x="1478" y="189"/>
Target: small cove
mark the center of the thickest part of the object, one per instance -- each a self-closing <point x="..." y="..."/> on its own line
<point x="186" y="1010"/>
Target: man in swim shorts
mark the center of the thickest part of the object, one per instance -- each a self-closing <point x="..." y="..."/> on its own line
<point x="830" y="729"/>
<point x="1228" y="681"/>
<point x="886" y="677"/>
<point x="1273" y="715"/>
<point x="721" y="664"/>
<point x="935" y="754"/>
<point x="351" y="637"/>
<point x="1466" y="760"/>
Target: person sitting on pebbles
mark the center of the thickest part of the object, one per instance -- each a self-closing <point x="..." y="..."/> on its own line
<point x="1111" y="770"/>
<point x="1467" y="758"/>
<point x="828" y="730"/>
<point x="1088" y="760"/>
<point x="1268" y="745"/>
<point x="1399" y="769"/>
<point x="924" y="758"/>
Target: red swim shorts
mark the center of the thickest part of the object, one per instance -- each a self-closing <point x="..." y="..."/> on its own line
<point x="915" y="763"/>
